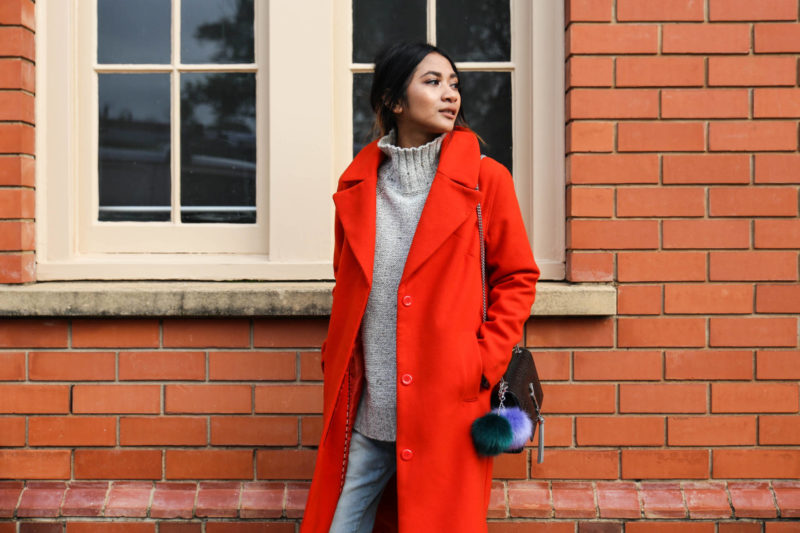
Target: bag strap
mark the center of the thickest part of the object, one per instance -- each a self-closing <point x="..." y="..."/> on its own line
<point x="483" y="255"/>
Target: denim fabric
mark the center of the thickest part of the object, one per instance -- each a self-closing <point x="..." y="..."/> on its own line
<point x="370" y="465"/>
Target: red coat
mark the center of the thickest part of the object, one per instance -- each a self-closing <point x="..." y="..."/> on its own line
<point x="442" y="346"/>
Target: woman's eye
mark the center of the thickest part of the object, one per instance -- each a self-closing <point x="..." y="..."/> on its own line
<point x="432" y="82"/>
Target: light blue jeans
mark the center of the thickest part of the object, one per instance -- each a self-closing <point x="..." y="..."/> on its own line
<point x="370" y="465"/>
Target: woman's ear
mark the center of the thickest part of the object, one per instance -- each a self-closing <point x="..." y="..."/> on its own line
<point x="397" y="108"/>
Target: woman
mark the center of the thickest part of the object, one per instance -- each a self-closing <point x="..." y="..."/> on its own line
<point x="408" y="361"/>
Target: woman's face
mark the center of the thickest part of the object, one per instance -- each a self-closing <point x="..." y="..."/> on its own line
<point x="431" y="104"/>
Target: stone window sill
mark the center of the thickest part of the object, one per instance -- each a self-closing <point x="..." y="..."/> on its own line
<point x="170" y="298"/>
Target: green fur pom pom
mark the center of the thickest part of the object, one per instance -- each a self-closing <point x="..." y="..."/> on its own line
<point x="491" y="434"/>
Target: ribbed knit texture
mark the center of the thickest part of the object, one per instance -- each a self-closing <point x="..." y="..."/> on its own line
<point x="404" y="180"/>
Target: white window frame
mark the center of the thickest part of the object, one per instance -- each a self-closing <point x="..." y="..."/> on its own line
<point x="537" y="81"/>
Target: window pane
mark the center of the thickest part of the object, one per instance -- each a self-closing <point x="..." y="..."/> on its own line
<point x="363" y="117"/>
<point x="377" y="23"/>
<point x="134" y="147"/>
<point x="217" y="31"/>
<point x="133" y="32"/>
<point x="218" y="147"/>
<point x="487" y="104"/>
<point x="474" y="30"/>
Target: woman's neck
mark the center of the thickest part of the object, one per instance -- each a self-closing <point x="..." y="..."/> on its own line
<point x="412" y="139"/>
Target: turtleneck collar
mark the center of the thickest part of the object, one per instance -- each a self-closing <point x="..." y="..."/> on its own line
<point x="409" y="170"/>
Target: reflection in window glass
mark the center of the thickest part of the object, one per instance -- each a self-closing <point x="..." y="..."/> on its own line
<point x="487" y="103"/>
<point x="474" y="30"/>
<point x="133" y="32"/>
<point x="218" y="147"/>
<point x="134" y="147"/>
<point x="217" y="31"/>
<point x="363" y="117"/>
<point x="378" y="23"/>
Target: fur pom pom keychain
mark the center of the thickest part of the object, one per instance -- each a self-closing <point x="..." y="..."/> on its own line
<point x="503" y="429"/>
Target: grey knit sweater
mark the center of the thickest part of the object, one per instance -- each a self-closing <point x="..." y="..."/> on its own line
<point x="404" y="180"/>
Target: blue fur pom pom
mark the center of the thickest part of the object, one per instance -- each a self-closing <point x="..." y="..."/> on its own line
<point x="491" y="434"/>
<point x="521" y="425"/>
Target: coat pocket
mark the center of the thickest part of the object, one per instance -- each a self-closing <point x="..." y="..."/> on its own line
<point x="473" y="368"/>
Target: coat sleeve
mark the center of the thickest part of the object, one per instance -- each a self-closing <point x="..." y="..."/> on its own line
<point x="511" y="271"/>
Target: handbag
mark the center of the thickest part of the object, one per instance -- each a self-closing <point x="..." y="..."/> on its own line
<point x="515" y="401"/>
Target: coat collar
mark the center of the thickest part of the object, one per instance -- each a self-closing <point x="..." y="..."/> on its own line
<point x="451" y="200"/>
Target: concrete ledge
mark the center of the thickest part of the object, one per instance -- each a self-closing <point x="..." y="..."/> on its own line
<point x="170" y="298"/>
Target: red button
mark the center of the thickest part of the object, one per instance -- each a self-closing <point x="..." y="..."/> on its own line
<point x="406" y="455"/>
<point x="407" y="300"/>
<point x="407" y="379"/>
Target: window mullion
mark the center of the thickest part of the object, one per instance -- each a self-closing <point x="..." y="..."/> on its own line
<point x="431" y="22"/>
<point x="175" y="110"/>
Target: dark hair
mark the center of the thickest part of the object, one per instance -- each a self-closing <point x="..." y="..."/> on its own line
<point x="393" y="69"/>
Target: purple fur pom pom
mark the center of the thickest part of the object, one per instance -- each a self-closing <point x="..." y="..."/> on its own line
<point x="521" y="425"/>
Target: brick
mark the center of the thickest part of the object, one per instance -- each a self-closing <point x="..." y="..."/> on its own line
<point x="705" y="39"/>
<point x="706" y="233"/>
<point x="599" y="527"/>
<point x="162" y="431"/>
<point x="310" y="430"/>
<point x="570" y="332"/>
<point x="751" y="71"/>
<point x="218" y="499"/>
<point x="590" y="266"/>
<point x="662" y="398"/>
<point x="777" y="38"/>
<point x="289" y="332"/>
<point x="611" y="103"/>
<point x="711" y="430"/>
<point x="289" y="399"/>
<point x="660" y="71"/>
<point x="781" y="527"/>
<point x="41" y="499"/>
<point x="17" y="268"/>
<point x="17" y="73"/>
<point x="755" y="332"/>
<point x="588" y="10"/>
<point x="285" y="464"/>
<point x="208" y="399"/>
<point x="740" y="527"/>
<point x="17" y="236"/>
<point x="661" y="266"/>
<point x="589" y="71"/>
<point x="310" y="366"/>
<point x="612" y="168"/>
<point x="209" y="464"/>
<point x="778" y="430"/>
<point x="34" y="399"/>
<point x="787" y="495"/>
<point x="206" y="333"/>
<point x="778" y="299"/>
<point x="253" y="527"/>
<point x="129" y="499"/>
<point x="777" y="168"/>
<point x="16" y="170"/>
<point x="709" y="364"/>
<point x="12" y="366"/>
<point x="639" y="300"/>
<point x="116" y="399"/>
<point x="12" y="433"/>
<point x="71" y="366"/>
<point x="162" y="366"/>
<point x="110" y="527"/>
<point x="661" y="202"/>
<point x="704" y="103"/>
<point x="612" y="234"/>
<point x="725" y="298"/>
<point x="706" y="168"/>
<point x="590" y="136"/>
<point x="249" y="366"/>
<point x="17" y="107"/>
<point x="753" y="266"/>
<point x="612" y="39"/>
<point x="669" y="527"/>
<point x="657" y="332"/>
<point x="617" y="365"/>
<point x="34" y="464"/>
<point x="662" y="10"/>
<point x="510" y="466"/>
<point x="17" y="41"/>
<point x="173" y="500"/>
<point x="114" y="333"/>
<point x="497" y="501"/>
<point x="84" y="498"/>
<point x="573" y="499"/>
<point x="72" y="431"/>
<point x="254" y="431"/>
<point x="661" y="137"/>
<point x="559" y="430"/>
<point x="662" y="500"/>
<point x="177" y="527"/>
<point x="618" y="500"/>
<point x="33" y="333"/>
<point x="706" y="500"/>
<point x="117" y="464"/>
<point x="579" y="398"/>
<point x="777" y="234"/>
<point x="752" y="500"/>
<point x="529" y="499"/>
<point x="747" y="10"/>
<point x="590" y="202"/>
<point x="620" y="431"/>
<point x="762" y="135"/>
<point x="754" y="397"/>
<point x="664" y="464"/>
<point x="776" y="103"/>
<point x="37" y="527"/>
<point x="16" y="138"/>
<point x="783" y="364"/>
